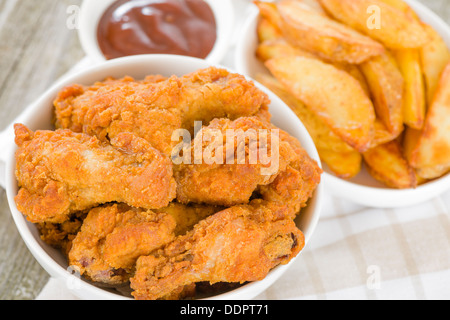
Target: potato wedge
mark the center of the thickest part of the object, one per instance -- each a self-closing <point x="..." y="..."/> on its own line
<point x="414" y="103"/>
<point x="345" y="165"/>
<point x="342" y="159"/>
<point x="269" y="11"/>
<point x="322" y="135"/>
<point x="386" y="85"/>
<point x="382" y="134"/>
<point x="267" y="31"/>
<point x="429" y="150"/>
<point x="434" y="57"/>
<point x="356" y="73"/>
<point x="410" y="143"/>
<point x="333" y="95"/>
<point x="387" y="164"/>
<point x="323" y="36"/>
<point x="384" y="22"/>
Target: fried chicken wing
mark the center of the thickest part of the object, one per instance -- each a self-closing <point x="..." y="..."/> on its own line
<point x="61" y="235"/>
<point x="155" y="107"/>
<point x="231" y="166"/>
<point x="113" y="237"/>
<point x="147" y="108"/>
<point x="62" y="172"/>
<point x="239" y="244"/>
<point x="213" y="93"/>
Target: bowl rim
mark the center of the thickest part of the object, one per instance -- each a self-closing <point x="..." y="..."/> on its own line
<point x="350" y="189"/>
<point x="85" y="289"/>
<point x="87" y="29"/>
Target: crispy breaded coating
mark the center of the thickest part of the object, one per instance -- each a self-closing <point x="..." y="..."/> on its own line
<point x="236" y="245"/>
<point x="213" y="93"/>
<point x="146" y="108"/>
<point x="187" y="216"/>
<point x="62" y="172"/>
<point x="113" y="237"/>
<point x="225" y="178"/>
<point x="155" y="107"/>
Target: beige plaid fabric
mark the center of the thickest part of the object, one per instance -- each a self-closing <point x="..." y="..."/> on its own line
<point x="360" y="253"/>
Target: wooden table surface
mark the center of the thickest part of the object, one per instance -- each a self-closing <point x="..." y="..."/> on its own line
<point x="37" y="46"/>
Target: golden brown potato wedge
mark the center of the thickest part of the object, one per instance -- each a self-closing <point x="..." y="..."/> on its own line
<point x="323" y="36"/>
<point x="279" y="47"/>
<point x="387" y="164"/>
<point x="342" y="159"/>
<point x="322" y="135"/>
<point x="355" y="72"/>
<point x="434" y="57"/>
<point x="404" y="7"/>
<point x="429" y="150"/>
<point x="333" y="95"/>
<point x="414" y="104"/>
<point x="267" y="31"/>
<point x="345" y="165"/>
<point x="313" y="5"/>
<point x="269" y="11"/>
<point x="382" y="134"/>
<point x="386" y="85"/>
<point x="382" y="21"/>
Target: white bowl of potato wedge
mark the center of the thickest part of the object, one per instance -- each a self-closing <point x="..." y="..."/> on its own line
<point x="370" y="79"/>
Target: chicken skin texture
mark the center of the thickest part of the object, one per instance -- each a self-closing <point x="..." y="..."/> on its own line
<point x="113" y="237"/>
<point x="155" y="107"/>
<point x="230" y="168"/>
<point x="187" y="216"/>
<point x="62" y="172"/>
<point x="213" y="93"/>
<point x="239" y="244"/>
<point x="109" y="108"/>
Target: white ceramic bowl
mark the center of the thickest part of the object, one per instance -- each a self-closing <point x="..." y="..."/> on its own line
<point x="92" y="11"/>
<point x="363" y="189"/>
<point x="39" y="116"/>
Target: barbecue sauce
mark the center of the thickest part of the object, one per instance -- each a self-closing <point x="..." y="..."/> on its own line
<point x="182" y="27"/>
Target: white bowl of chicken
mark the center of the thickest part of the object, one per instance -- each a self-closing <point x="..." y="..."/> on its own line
<point x="101" y="199"/>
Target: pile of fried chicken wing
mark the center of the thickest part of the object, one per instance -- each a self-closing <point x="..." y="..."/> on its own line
<point x="103" y="188"/>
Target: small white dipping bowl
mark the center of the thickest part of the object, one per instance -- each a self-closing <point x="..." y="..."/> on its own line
<point x="363" y="189"/>
<point x="39" y="116"/>
<point x="92" y="11"/>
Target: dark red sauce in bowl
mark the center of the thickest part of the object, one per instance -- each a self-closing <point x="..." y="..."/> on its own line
<point x="182" y="27"/>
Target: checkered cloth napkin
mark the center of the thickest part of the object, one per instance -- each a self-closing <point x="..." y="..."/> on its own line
<point x="361" y="253"/>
